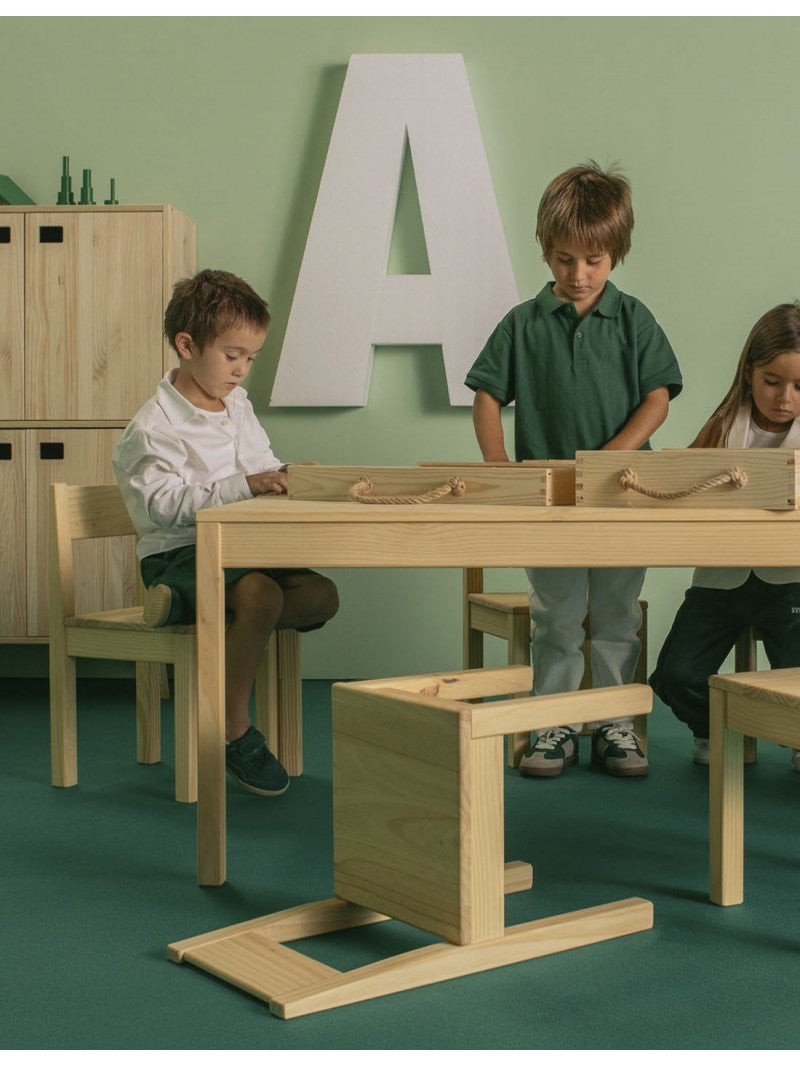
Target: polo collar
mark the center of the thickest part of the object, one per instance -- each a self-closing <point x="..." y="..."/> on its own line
<point x="607" y="306"/>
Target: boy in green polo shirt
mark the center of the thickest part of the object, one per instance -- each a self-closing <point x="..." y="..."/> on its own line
<point x="589" y="368"/>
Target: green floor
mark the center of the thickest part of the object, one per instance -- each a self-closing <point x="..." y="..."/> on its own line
<point x="96" y="880"/>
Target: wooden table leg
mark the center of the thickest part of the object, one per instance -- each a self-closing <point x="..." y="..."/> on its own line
<point x="726" y="800"/>
<point x="210" y="706"/>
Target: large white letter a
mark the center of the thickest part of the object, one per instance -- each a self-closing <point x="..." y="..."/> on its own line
<point x="345" y="302"/>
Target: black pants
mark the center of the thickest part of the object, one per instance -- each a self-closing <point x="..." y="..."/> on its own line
<point x="704" y="632"/>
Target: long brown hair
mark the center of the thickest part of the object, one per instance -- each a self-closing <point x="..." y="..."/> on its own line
<point x="777" y="331"/>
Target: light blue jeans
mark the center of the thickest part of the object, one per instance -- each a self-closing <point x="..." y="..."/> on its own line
<point x="560" y="598"/>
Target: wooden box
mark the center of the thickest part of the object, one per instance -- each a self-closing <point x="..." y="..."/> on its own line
<point x="688" y="478"/>
<point x="446" y="484"/>
<point x="562" y="474"/>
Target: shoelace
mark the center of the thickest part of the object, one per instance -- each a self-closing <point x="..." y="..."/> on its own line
<point x="622" y="738"/>
<point x="550" y="739"/>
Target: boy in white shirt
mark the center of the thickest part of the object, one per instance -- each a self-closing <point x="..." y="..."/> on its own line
<point x="196" y="444"/>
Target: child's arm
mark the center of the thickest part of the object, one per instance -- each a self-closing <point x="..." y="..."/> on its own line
<point x="645" y="420"/>
<point x="489" y="427"/>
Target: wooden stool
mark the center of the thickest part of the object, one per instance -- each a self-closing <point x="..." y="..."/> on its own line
<point x="418" y="836"/>
<point x="508" y="616"/>
<point x="762" y="704"/>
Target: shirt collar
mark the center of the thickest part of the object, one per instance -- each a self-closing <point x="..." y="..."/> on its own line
<point x="607" y="305"/>
<point x="176" y="407"/>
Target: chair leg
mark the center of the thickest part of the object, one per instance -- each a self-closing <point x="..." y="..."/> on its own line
<point x="290" y="703"/>
<point x="726" y="806"/>
<point x="148" y="712"/>
<point x="163" y="681"/>
<point x="519" y="651"/>
<point x="186" y="721"/>
<point x="266" y="695"/>
<point x="745" y="658"/>
<point x="473" y="639"/>
<point x="63" y="716"/>
<point x="640" y="722"/>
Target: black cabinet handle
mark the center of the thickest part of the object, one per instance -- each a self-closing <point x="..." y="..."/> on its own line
<point x="51" y="235"/>
<point x="5" y="450"/>
<point x="51" y="450"/>
<point x="5" y="235"/>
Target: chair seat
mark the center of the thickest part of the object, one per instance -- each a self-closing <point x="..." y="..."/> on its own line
<point x="123" y="619"/>
<point x="509" y="603"/>
<point x="780" y="686"/>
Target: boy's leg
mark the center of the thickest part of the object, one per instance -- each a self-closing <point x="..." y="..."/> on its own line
<point x="558" y="599"/>
<point x="309" y="599"/>
<point x="614" y="621"/>
<point x="261" y="602"/>
<point x="255" y="602"/>
<point x="558" y="608"/>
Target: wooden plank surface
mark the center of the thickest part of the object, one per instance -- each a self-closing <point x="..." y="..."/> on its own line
<point x="481" y="485"/>
<point x="562" y="474"/>
<point x="770" y="478"/>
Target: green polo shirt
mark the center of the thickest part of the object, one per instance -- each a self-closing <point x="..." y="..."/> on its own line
<point x="576" y="381"/>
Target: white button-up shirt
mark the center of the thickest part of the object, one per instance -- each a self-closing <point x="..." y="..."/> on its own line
<point x="174" y="459"/>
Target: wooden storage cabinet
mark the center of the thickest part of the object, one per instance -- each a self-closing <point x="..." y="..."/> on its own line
<point x="13" y="534"/>
<point x="82" y="298"/>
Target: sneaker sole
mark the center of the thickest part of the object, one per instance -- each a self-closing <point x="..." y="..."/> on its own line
<point x="621" y="772"/>
<point x="255" y="789"/>
<point x="546" y="772"/>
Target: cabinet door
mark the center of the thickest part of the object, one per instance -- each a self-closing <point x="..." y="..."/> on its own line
<point x="12" y="314"/>
<point x="93" y="313"/>
<point x="13" y="553"/>
<point x="105" y="573"/>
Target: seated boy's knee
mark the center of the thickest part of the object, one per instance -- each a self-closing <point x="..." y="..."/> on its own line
<point x="259" y="599"/>
<point x="324" y="598"/>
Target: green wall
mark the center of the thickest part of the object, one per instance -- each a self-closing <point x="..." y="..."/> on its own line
<point x="229" y="120"/>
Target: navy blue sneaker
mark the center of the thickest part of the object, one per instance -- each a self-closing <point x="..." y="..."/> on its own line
<point x="252" y="765"/>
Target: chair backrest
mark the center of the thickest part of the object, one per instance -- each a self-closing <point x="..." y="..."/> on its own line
<point x="80" y="513"/>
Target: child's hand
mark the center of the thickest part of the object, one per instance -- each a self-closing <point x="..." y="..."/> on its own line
<point x="268" y="482"/>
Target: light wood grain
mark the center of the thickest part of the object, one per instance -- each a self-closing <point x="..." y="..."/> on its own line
<point x="295" y="985"/>
<point x="483" y="485"/>
<point x="12" y="317"/>
<point x="396" y="811"/>
<point x="726" y="804"/>
<point x="562" y="474"/>
<point x="771" y="478"/>
<point x="13" y="536"/>
<point x="105" y="571"/>
<point x="93" y="309"/>
<point x="81" y="348"/>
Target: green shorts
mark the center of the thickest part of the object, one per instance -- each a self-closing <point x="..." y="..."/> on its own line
<point x="177" y="568"/>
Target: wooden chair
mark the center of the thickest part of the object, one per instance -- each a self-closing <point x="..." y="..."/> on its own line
<point x="418" y="830"/>
<point x="762" y="704"/>
<point x="83" y="513"/>
<point x="507" y="616"/>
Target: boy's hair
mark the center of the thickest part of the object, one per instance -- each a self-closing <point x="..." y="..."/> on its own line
<point x="589" y="205"/>
<point x="209" y="304"/>
<point x="777" y="331"/>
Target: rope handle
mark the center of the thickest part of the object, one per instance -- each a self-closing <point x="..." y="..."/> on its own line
<point x="361" y="492"/>
<point x="734" y="477"/>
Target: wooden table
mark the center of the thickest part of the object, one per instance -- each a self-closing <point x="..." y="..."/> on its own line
<point x="278" y="532"/>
